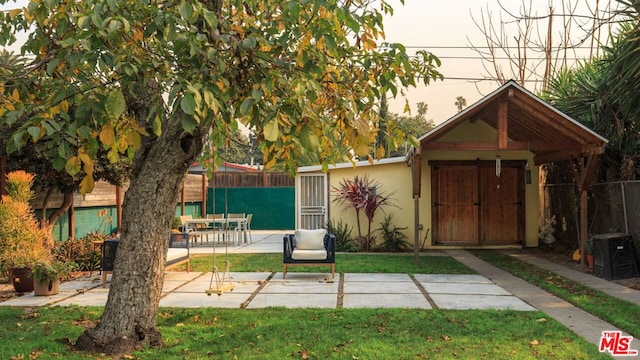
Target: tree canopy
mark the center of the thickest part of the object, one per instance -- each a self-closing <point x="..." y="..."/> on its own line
<point x="603" y="94"/>
<point x="279" y="67"/>
<point x="154" y="84"/>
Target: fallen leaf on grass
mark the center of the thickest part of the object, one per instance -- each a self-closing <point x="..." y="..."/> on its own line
<point x="446" y="337"/>
<point x="534" y="343"/>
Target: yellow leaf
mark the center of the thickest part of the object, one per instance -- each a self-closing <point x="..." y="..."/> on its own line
<point x="534" y="343"/>
<point x="138" y="35"/>
<point x="14" y="12"/>
<point x="107" y="135"/>
<point x="270" y="164"/>
<point x="72" y="166"/>
<point x="134" y="139"/>
<point x="64" y="105"/>
<point x="15" y="95"/>
<point x="86" y="185"/>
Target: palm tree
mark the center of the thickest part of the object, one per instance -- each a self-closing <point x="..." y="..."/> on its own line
<point x="603" y="94"/>
<point x="460" y="103"/>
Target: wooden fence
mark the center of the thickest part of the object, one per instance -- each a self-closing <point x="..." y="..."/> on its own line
<point x="251" y="179"/>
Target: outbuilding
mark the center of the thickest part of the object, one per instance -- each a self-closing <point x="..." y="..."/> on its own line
<point x="474" y="180"/>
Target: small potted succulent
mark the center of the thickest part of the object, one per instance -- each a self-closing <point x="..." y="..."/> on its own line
<point x="48" y="274"/>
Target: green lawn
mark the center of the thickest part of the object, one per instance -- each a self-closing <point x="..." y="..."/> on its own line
<point x="278" y="333"/>
<point x="345" y="263"/>
<point x="620" y="313"/>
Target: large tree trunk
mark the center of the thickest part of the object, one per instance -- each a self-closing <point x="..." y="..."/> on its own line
<point x="129" y="318"/>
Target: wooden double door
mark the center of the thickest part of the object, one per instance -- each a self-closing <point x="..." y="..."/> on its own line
<point x="473" y="206"/>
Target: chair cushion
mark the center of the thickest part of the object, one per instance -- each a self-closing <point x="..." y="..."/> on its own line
<point x="177" y="253"/>
<point x="306" y="255"/>
<point x="310" y="239"/>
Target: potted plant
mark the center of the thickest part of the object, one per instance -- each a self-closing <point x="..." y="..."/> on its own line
<point x="23" y="240"/>
<point x="48" y="274"/>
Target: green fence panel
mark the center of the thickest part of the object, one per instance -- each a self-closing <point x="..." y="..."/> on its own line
<point x="92" y="219"/>
<point x="273" y="208"/>
<point x="86" y="220"/>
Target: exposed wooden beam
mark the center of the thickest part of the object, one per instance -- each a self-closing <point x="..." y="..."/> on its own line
<point x="549" y="117"/>
<point x="589" y="172"/>
<point x="536" y="146"/>
<point x="566" y="155"/>
<point x="503" y="123"/>
<point x="460" y="146"/>
<point x="583" y="225"/>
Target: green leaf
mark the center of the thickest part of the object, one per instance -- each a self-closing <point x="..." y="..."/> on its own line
<point x="188" y="124"/>
<point x="211" y="101"/>
<point x="186" y="10"/>
<point x="210" y="17"/>
<point x="257" y="94"/>
<point x="58" y="163"/>
<point x="246" y="105"/>
<point x="63" y="150"/>
<point x="34" y="131"/>
<point x="271" y="130"/>
<point x="157" y="126"/>
<point x="115" y="104"/>
<point x="188" y="104"/>
<point x="308" y="139"/>
<point x="52" y="66"/>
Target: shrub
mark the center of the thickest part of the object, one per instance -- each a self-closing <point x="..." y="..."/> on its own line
<point x="344" y="241"/>
<point x="393" y="237"/>
<point x="82" y="251"/>
<point x="363" y="195"/>
<point x="23" y="240"/>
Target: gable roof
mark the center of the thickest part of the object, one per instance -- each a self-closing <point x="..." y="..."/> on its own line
<point x="523" y="122"/>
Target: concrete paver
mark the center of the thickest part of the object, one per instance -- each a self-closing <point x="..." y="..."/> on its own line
<point x="480" y="302"/>
<point x="296" y="300"/>
<point x="385" y="300"/>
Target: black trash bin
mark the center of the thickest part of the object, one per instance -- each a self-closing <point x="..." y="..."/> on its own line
<point x="614" y="256"/>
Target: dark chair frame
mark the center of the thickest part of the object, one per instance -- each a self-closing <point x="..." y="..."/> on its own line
<point x="289" y="245"/>
<point x="109" y="248"/>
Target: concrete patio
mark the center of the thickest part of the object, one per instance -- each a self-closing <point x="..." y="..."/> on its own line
<point x="490" y="288"/>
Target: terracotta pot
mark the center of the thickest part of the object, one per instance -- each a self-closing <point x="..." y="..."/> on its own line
<point x="22" y="279"/>
<point x="46" y="288"/>
<point x="590" y="261"/>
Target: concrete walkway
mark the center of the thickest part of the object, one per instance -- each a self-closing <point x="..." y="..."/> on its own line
<point x="491" y="288"/>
